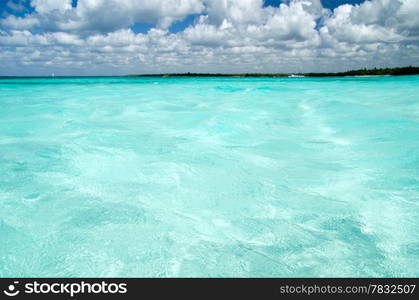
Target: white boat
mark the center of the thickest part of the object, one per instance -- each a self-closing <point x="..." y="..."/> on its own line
<point x="296" y="76"/>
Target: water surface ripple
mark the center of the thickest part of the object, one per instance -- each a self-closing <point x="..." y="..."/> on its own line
<point x="209" y="177"/>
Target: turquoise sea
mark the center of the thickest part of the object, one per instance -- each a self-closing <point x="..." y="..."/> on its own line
<point x="209" y="177"/>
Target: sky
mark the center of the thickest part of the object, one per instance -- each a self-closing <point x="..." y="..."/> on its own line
<point x="119" y="37"/>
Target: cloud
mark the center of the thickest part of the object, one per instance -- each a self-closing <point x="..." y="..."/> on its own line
<point x="16" y="5"/>
<point x="12" y="22"/>
<point x="227" y="36"/>
<point x="47" y="6"/>
<point x="372" y="22"/>
<point x="109" y="15"/>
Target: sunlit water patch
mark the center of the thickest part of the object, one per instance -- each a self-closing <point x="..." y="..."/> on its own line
<point x="209" y="177"/>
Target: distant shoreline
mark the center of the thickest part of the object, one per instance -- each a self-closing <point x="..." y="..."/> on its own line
<point x="357" y="73"/>
<point x="354" y="73"/>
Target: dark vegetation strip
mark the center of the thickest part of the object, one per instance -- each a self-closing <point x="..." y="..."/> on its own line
<point x="362" y="72"/>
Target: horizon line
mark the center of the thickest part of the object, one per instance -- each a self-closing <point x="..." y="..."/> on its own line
<point x="408" y="70"/>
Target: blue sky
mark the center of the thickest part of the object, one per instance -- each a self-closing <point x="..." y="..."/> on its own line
<point x="112" y="37"/>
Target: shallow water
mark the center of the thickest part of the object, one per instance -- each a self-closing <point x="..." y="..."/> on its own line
<point x="209" y="177"/>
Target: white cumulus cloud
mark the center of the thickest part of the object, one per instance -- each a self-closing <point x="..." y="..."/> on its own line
<point x="227" y="36"/>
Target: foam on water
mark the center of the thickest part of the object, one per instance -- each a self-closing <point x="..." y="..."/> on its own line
<point x="209" y="177"/>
